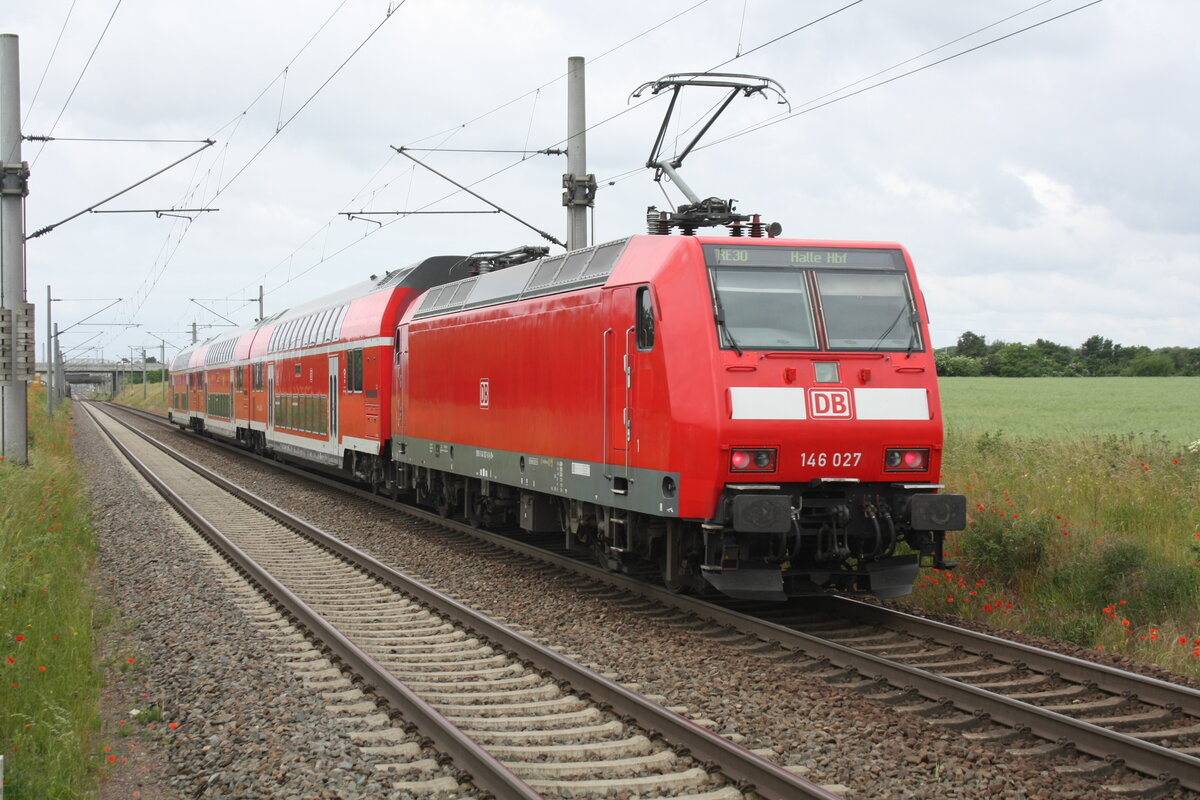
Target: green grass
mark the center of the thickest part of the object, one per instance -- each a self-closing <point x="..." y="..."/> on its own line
<point x="50" y="689"/>
<point x="1084" y="499"/>
<point x="153" y="400"/>
<point x="1060" y="407"/>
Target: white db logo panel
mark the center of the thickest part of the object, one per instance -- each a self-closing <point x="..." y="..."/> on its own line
<point x="485" y="393"/>
<point x="830" y="404"/>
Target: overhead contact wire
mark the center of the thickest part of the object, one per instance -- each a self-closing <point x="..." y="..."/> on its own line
<point x="49" y="62"/>
<point x="449" y="133"/>
<point x="793" y="115"/>
<point x="78" y="80"/>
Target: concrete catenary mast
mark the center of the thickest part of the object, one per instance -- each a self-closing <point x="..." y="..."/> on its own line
<point x="16" y="315"/>
<point x="580" y="187"/>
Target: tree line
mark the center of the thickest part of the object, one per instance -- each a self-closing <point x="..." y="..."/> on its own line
<point x="974" y="355"/>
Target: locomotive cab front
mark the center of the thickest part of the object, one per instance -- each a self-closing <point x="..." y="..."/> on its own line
<point x="831" y="442"/>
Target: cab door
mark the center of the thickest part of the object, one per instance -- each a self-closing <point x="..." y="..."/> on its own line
<point x="618" y="356"/>
<point x="400" y="382"/>
<point x="646" y="437"/>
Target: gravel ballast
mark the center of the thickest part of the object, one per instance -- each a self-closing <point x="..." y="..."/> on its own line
<point x="246" y="728"/>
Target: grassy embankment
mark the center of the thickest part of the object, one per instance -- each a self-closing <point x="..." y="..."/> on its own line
<point x="1084" y="511"/>
<point x="51" y="684"/>
<point x="154" y="400"/>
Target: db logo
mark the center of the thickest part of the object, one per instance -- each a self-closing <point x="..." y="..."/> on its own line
<point x="485" y="393"/>
<point x="830" y="403"/>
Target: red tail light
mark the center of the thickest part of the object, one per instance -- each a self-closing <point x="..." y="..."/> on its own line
<point x="752" y="460"/>
<point x="899" y="459"/>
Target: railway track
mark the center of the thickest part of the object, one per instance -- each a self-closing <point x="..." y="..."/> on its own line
<point x="1090" y="718"/>
<point x="518" y="718"/>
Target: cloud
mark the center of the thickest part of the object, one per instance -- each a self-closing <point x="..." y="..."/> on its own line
<point x="1045" y="185"/>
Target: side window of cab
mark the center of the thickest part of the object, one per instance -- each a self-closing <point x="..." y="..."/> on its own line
<point x="645" y="319"/>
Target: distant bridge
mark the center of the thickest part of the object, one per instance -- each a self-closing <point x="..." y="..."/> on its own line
<point x="107" y="376"/>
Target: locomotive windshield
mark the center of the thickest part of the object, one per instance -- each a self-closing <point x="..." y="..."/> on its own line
<point x="764" y="308"/>
<point x="780" y="297"/>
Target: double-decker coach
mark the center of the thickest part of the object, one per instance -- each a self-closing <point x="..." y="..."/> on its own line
<point x="311" y="383"/>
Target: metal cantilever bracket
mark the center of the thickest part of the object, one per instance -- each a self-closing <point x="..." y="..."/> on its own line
<point x="14" y="178"/>
<point x="580" y="190"/>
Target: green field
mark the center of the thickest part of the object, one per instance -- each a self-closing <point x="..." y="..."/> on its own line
<point x="1083" y="511"/>
<point x="1063" y="407"/>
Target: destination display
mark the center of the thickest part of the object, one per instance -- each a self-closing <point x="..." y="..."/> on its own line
<point x="769" y="256"/>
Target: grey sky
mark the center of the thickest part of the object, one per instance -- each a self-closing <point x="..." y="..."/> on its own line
<point x="1046" y="185"/>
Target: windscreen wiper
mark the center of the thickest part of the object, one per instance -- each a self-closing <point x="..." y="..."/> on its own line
<point x="719" y="313"/>
<point x="912" y="332"/>
<point x="725" y="329"/>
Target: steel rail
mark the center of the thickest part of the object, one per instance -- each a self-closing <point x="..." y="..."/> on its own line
<point x="485" y="770"/>
<point x="748" y="770"/>
<point x="1136" y="754"/>
<point x="1105" y="678"/>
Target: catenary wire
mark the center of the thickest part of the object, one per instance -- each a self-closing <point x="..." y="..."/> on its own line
<point x="149" y="284"/>
<point x="793" y="115"/>
<point x="847" y="86"/>
<point x="327" y="256"/>
<point x="448" y="133"/>
<point x="304" y="105"/>
<point x="78" y="80"/>
<point x="49" y="62"/>
<point x="483" y="179"/>
<point x="805" y="108"/>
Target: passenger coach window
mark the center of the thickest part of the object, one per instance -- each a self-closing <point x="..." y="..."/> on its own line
<point x="645" y="319"/>
<point x="354" y="371"/>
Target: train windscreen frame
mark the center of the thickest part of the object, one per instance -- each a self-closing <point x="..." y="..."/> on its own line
<point x="812" y="298"/>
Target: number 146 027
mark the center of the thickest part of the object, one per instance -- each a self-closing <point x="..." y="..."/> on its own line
<point x="830" y="459"/>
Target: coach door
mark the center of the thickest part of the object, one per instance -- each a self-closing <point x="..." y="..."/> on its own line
<point x="333" y="399"/>
<point x="270" y="397"/>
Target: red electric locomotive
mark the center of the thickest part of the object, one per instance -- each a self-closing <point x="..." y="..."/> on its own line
<point x="756" y="415"/>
